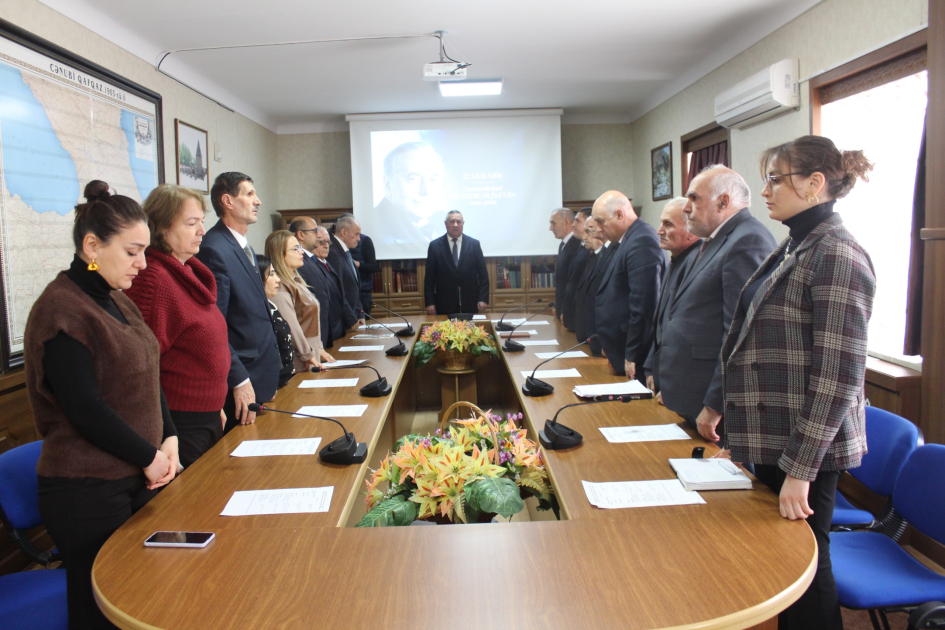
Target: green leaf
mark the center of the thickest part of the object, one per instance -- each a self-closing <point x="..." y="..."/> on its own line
<point x="495" y="494"/>
<point x="396" y="512"/>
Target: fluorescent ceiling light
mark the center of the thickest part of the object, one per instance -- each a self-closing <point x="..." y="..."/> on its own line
<point x="471" y="88"/>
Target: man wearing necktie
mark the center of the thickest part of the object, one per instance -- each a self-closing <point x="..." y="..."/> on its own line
<point x="347" y="234"/>
<point x="456" y="279"/>
<point x="561" y="225"/>
<point x="241" y="297"/>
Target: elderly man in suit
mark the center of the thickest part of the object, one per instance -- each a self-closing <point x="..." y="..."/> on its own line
<point x="688" y="369"/>
<point x="305" y="230"/>
<point x="241" y="297"/>
<point x="597" y="257"/>
<point x="340" y="317"/>
<point x="577" y="264"/>
<point x="347" y="235"/>
<point x="561" y="225"/>
<point x="676" y="239"/>
<point x="456" y="280"/>
<point x="625" y="306"/>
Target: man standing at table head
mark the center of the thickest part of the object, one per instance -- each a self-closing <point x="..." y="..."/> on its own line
<point x="625" y="306"/>
<point x="561" y="224"/>
<point x="700" y="310"/>
<point x="347" y="235"/>
<point x="456" y="280"/>
<point x="241" y="297"/>
<point x="676" y="239"/>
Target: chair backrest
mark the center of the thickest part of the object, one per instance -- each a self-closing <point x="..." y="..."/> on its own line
<point x="890" y="440"/>
<point x="19" y="485"/>
<point x="919" y="491"/>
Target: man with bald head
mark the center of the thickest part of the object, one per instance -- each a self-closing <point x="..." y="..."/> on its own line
<point x="306" y="233"/>
<point x="688" y="368"/>
<point x="561" y="225"/>
<point x="625" y="305"/>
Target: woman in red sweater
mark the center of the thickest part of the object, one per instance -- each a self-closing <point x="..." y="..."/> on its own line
<point x="177" y="296"/>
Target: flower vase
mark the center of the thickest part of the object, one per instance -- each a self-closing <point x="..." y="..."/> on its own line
<point x="457" y="361"/>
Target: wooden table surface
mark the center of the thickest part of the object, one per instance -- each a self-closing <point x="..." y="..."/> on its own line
<point x="731" y="563"/>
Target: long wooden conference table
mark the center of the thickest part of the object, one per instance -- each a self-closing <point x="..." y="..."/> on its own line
<point x="731" y="563"/>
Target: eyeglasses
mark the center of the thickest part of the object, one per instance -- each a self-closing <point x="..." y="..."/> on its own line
<point x="774" y="180"/>
<point x="298" y="248"/>
<point x="314" y="229"/>
<point x="321" y="242"/>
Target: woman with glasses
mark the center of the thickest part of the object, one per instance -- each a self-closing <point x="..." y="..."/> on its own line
<point x="299" y="307"/>
<point x="794" y="360"/>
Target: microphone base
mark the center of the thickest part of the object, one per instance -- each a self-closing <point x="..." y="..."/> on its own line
<point x="377" y="389"/>
<point x="399" y="350"/>
<point x="557" y="436"/>
<point x="535" y="387"/>
<point x="513" y="346"/>
<point x="407" y="332"/>
<point x="344" y="451"/>
<point x="503" y="327"/>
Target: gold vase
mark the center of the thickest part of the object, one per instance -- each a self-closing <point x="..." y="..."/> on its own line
<point x="457" y="361"/>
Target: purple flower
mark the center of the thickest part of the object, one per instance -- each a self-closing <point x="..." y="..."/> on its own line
<point x="437" y="432"/>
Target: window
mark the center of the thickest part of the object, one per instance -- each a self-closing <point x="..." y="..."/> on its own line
<point x="703" y="147"/>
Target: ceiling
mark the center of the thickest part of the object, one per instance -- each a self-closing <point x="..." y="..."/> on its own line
<point x="601" y="60"/>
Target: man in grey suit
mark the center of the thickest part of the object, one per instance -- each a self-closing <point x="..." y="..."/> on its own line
<point x="688" y="370"/>
<point x="625" y="306"/>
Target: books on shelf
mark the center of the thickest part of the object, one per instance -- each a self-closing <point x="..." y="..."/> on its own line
<point x="543" y="279"/>
<point x="404" y="281"/>
<point x="379" y="282"/>
<point x="715" y="473"/>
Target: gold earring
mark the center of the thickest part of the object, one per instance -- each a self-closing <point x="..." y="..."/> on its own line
<point x="93" y="266"/>
<point x="812" y="198"/>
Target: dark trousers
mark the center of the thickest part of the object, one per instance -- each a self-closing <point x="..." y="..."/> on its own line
<point x="197" y="432"/>
<point x="819" y="607"/>
<point x="80" y="514"/>
<point x="366" y="301"/>
<point x="229" y="408"/>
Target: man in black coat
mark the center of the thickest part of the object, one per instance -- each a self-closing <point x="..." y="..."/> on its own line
<point x="347" y="235"/>
<point x="625" y="307"/>
<point x="305" y="229"/>
<point x="340" y="318"/>
<point x="241" y="297"/>
<point x="577" y="265"/>
<point x="456" y="279"/>
<point x="585" y="324"/>
<point x="365" y="259"/>
<point x="561" y="225"/>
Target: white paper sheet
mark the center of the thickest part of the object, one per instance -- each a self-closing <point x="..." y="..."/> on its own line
<point x="519" y="322"/>
<point x="314" y="383"/>
<point x="287" y="501"/>
<point x="376" y="326"/>
<point x="270" y="448"/>
<point x="567" y="355"/>
<point x="571" y="373"/>
<point x="629" y="494"/>
<point x="374" y="336"/>
<point x="611" y="389"/>
<point x="478" y="317"/>
<point x="645" y="433"/>
<point x="340" y="363"/>
<point x="332" y="411"/>
<point x="360" y="348"/>
<point x="539" y="342"/>
<point x="506" y="333"/>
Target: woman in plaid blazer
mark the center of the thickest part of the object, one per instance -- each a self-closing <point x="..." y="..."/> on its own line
<point x="794" y="360"/>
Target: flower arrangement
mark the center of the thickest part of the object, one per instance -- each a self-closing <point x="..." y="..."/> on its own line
<point x="479" y="468"/>
<point x="453" y="335"/>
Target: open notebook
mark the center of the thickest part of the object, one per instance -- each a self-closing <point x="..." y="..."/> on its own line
<point x="710" y="474"/>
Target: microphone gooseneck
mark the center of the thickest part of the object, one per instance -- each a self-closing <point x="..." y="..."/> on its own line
<point x="536" y="387"/>
<point x="557" y="436"/>
<point x="345" y="450"/>
<point x="399" y="350"/>
<point x="406" y="332"/>
<point x="502" y="326"/>
<point x="375" y="389"/>
<point x="514" y="346"/>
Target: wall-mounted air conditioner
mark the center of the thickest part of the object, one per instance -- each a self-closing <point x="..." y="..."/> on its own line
<point x="765" y="94"/>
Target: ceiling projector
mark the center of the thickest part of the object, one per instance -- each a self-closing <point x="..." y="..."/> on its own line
<point x="444" y="71"/>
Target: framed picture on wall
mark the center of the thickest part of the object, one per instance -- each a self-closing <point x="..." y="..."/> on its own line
<point x="192" y="157"/>
<point x="661" y="160"/>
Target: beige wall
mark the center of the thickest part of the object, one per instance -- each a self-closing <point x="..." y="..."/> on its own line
<point x="595" y="159"/>
<point x="247" y="146"/>
<point x="831" y="33"/>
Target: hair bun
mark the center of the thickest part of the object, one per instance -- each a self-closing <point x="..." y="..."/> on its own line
<point x="96" y="190"/>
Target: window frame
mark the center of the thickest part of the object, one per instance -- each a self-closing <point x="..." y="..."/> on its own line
<point x="687" y="141"/>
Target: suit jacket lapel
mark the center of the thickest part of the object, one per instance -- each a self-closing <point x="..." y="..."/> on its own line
<point x="244" y="260"/>
<point x="612" y="262"/>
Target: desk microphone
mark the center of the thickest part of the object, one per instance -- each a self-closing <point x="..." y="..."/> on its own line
<point x="502" y="326"/>
<point x="345" y="450"/>
<point x="557" y="436"/>
<point x="535" y="387"/>
<point x="514" y="346"/>
<point x="399" y="350"/>
<point x="404" y="332"/>
<point x="376" y="389"/>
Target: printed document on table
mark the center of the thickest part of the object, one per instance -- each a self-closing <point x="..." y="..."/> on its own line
<point x="539" y="342"/>
<point x="287" y="501"/>
<point x="506" y="333"/>
<point x="572" y="373"/>
<point x="374" y="336"/>
<point x="360" y="348"/>
<point x="332" y="411"/>
<point x="478" y="317"/>
<point x="340" y="363"/>
<point x="519" y="322"/>
<point x="269" y="448"/>
<point x="645" y="433"/>
<point x="376" y="326"/>
<point x="612" y="389"/>
<point x="630" y="494"/>
<point x="567" y="355"/>
<point x="328" y="382"/>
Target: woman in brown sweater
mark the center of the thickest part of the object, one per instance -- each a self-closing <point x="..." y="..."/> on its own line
<point x="93" y="380"/>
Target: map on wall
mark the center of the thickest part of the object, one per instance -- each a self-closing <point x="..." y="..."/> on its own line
<point x="60" y="128"/>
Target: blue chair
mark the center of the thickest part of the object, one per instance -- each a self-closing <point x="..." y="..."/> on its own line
<point x="19" y="499"/>
<point x="890" y="440"/>
<point x="873" y="572"/>
<point x="34" y="600"/>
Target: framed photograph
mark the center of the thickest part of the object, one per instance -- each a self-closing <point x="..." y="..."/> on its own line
<point x="193" y="160"/>
<point x="661" y="159"/>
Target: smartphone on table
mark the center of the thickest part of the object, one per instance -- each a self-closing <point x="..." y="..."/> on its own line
<point x="189" y="540"/>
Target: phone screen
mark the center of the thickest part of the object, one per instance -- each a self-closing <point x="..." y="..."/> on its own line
<point x="180" y="538"/>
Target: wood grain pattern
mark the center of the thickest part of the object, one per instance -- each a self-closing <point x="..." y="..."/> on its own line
<point x="596" y="569"/>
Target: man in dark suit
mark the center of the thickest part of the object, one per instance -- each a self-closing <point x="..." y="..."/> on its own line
<point x="456" y="279"/>
<point x="584" y="324"/>
<point x="700" y="311"/>
<point x="577" y="264"/>
<point x="601" y="262"/>
<point x="347" y="234"/>
<point x="365" y="259"/>
<point x="625" y="307"/>
<point x="561" y="225"/>
<point x="305" y="230"/>
<point x="341" y="319"/>
<point x="241" y="297"/>
<point x="676" y="239"/>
